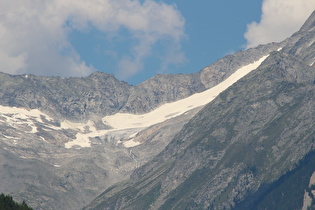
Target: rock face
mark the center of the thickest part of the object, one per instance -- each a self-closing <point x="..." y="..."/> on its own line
<point x="223" y="68"/>
<point x="162" y="89"/>
<point x="70" y="98"/>
<point x="250" y="148"/>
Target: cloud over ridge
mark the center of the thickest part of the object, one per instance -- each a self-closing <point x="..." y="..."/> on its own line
<point x="279" y="20"/>
<point x="34" y="33"/>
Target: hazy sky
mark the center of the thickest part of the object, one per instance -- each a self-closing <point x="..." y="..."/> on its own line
<point x="134" y="39"/>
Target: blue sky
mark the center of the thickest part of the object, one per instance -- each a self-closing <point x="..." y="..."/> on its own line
<point x="212" y="29"/>
<point x="137" y="39"/>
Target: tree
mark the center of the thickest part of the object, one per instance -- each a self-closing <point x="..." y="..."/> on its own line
<point x="7" y="203"/>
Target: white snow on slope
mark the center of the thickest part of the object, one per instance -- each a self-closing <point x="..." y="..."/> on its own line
<point x="21" y="116"/>
<point x="170" y="110"/>
<point x="122" y="121"/>
<point x="86" y="131"/>
<point x="22" y="113"/>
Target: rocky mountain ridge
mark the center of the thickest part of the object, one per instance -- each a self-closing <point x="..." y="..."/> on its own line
<point x="238" y="149"/>
<point x="100" y="94"/>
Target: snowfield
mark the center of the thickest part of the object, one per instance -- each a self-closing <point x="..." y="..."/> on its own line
<point x="174" y="109"/>
<point x="124" y="122"/>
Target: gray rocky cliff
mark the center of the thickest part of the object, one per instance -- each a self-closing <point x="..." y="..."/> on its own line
<point x="224" y="67"/>
<point x="162" y="89"/>
<point x="69" y="98"/>
<point x="254" y="135"/>
<point x="302" y="43"/>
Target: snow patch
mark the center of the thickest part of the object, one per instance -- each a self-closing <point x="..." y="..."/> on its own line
<point x="174" y="109"/>
<point x="22" y="116"/>
<point x="83" y="127"/>
<point x="124" y="121"/>
<point x="83" y="139"/>
<point x="131" y="143"/>
<point x="23" y="113"/>
<point x="131" y="136"/>
<point x="43" y="139"/>
<point x="85" y="132"/>
<point x="80" y="140"/>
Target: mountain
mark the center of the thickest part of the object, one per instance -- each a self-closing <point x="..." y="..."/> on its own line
<point x="65" y="140"/>
<point x="222" y="137"/>
<point x="252" y="147"/>
<point x="100" y="94"/>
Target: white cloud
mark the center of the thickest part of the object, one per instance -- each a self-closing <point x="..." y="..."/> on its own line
<point x="34" y="33"/>
<point x="173" y="57"/>
<point x="128" y="67"/>
<point x="279" y="20"/>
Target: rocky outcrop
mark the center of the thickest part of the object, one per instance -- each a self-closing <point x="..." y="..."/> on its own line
<point x="65" y="98"/>
<point x="308" y="201"/>
<point x="223" y="68"/>
<point x="162" y="89"/>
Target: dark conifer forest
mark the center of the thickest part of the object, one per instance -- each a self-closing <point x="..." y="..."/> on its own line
<point x="7" y="203"/>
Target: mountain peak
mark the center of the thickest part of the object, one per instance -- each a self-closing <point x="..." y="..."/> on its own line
<point x="309" y="25"/>
<point x="99" y="74"/>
